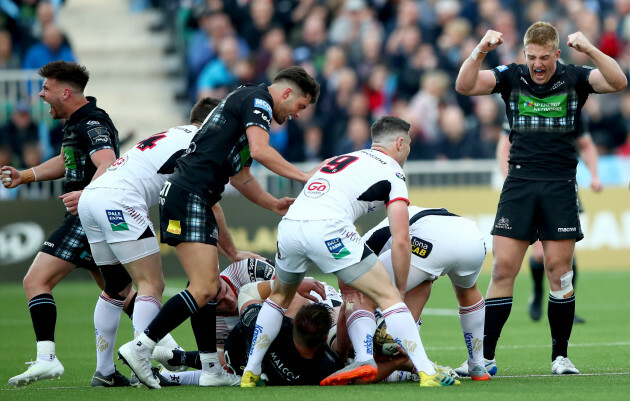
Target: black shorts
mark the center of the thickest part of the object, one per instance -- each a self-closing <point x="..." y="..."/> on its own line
<point x="70" y="243"/>
<point x="186" y="217"/>
<point x="545" y="210"/>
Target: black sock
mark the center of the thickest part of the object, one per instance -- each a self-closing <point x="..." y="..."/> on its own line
<point x="173" y="313"/>
<point x="132" y="303"/>
<point x="186" y="358"/>
<point x="44" y="316"/>
<point x="538" y="272"/>
<point x="560" y="313"/>
<point x="204" y="325"/>
<point x="497" y="313"/>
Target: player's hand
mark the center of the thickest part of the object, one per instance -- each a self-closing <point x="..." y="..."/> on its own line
<point x="71" y="201"/>
<point x="579" y="42"/>
<point x="490" y="41"/>
<point x="316" y="169"/>
<point x="282" y="205"/>
<point x="240" y="255"/>
<point x="11" y="178"/>
<point x="310" y="284"/>
<point x="596" y="184"/>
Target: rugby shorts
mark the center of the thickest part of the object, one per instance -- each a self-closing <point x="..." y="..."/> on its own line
<point x="186" y="217"/>
<point x="546" y="210"/>
<point x="440" y="246"/>
<point x="70" y="243"/>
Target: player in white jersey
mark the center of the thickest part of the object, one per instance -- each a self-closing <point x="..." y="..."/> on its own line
<point x="318" y="230"/>
<point x="442" y="244"/>
<point x="114" y="212"/>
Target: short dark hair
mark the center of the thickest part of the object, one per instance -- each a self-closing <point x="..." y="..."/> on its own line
<point x="66" y="71"/>
<point x="298" y="75"/>
<point x="202" y="108"/>
<point x="384" y="127"/>
<point x="312" y="324"/>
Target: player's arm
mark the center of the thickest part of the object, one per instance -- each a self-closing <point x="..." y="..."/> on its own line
<point x="608" y="77"/>
<point x="503" y="153"/>
<point x="51" y="169"/>
<point x="246" y="184"/>
<point x="225" y="245"/>
<point x="398" y="216"/>
<point x="588" y="153"/>
<point x="471" y="80"/>
<point x="262" y="152"/>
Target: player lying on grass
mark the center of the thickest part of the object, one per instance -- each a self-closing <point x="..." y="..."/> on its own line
<point x="441" y="244"/>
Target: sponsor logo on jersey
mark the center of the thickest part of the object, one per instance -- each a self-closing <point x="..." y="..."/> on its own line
<point x="503" y="223"/>
<point x="551" y="106"/>
<point x="93" y="122"/>
<point x="400" y="175"/>
<point x="117" y="220"/>
<point x="502" y="68"/>
<point x="118" y="163"/>
<point x="263" y="116"/>
<point x="337" y="248"/>
<point x="98" y="135"/>
<point x="557" y="85"/>
<point x="174" y="227"/>
<point x="68" y="158"/>
<point x="281" y="368"/>
<point x="261" y="104"/>
<point x="316" y="188"/>
<point x="567" y="229"/>
<point x="420" y="247"/>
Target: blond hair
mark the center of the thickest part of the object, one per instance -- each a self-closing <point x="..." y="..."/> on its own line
<point x="542" y="34"/>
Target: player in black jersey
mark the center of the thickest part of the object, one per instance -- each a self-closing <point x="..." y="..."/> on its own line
<point x="231" y="137"/>
<point x="543" y="101"/>
<point x="89" y="147"/>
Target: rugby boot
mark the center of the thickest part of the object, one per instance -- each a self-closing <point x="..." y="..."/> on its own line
<point x="365" y="370"/>
<point x="116" y="379"/>
<point x="251" y="380"/>
<point x="437" y="380"/>
<point x="39" y="370"/>
<point x="138" y="357"/>
<point x="563" y="366"/>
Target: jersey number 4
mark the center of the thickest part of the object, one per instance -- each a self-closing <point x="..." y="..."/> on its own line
<point x="338" y="163"/>
<point x="149" y="143"/>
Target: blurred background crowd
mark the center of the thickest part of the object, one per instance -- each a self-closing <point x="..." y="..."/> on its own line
<point x="371" y="57"/>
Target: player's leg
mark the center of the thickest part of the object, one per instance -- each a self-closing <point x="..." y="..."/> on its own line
<point x="360" y="322"/>
<point x="44" y="274"/>
<point x="537" y="267"/>
<point x="508" y="256"/>
<point x="472" y="311"/>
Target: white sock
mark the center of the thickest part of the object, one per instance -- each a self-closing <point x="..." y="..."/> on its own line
<point x="403" y="329"/>
<point x="209" y="362"/>
<point x="188" y="378"/>
<point x="45" y="350"/>
<point x="361" y="327"/>
<point x="268" y="325"/>
<point x="144" y="310"/>
<point x="106" y="318"/>
<point x="472" y="319"/>
<point x="169" y="342"/>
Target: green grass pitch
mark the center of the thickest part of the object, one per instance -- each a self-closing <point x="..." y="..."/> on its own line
<point x="600" y="348"/>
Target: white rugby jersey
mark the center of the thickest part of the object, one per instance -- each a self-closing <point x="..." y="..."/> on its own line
<point x="350" y="186"/>
<point x="146" y="166"/>
<point x="385" y="240"/>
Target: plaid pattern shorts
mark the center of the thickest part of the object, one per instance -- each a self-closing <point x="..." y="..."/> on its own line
<point x="70" y="243"/>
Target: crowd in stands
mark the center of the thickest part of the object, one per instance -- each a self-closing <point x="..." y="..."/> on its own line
<point x="372" y="58"/>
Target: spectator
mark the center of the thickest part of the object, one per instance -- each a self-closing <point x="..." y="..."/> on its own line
<point x="219" y="75"/>
<point x="51" y="48"/>
<point x="22" y="136"/>
<point x="357" y="137"/>
<point x="8" y="59"/>
<point x="260" y="21"/>
<point x="456" y="140"/>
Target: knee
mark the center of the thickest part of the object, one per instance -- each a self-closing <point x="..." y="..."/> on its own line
<point x="503" y="272"/>
<point x="203" y="294"/>
<point x="33" y="282"/>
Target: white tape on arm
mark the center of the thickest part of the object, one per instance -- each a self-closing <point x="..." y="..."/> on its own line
<point x="248" y="292"/>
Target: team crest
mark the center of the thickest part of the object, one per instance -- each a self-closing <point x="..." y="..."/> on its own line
<point x="117" y="220"/>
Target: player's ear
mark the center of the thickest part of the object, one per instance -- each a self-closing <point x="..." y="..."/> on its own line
<point x="286" y="94"/>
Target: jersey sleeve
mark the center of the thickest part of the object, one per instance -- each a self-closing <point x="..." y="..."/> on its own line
<point x="98" y="136"/>
<point x="502" y="74"/>
<point x="256" y="110"/>
<point x="398" y="189"/>
<point x="582" y="74"/>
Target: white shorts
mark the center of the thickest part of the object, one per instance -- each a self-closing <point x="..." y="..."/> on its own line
<point x="114" y="220"/>
<point x="328" y="244"/>
<point x="443" y="245"/>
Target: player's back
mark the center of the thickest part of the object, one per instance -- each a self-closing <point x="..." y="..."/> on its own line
<point x="350" y="186"/>
<point x="146" y="166"/>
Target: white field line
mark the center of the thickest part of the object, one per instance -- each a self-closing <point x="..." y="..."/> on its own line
<point x="523" y="346"/>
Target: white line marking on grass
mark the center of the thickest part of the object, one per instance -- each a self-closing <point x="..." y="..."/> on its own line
<point x="523" y="346"/>
<point x="581" y="374"/>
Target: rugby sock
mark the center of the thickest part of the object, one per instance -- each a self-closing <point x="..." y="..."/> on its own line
<point x="209" y="362"/>
<point x="146" y="309"/>
<point x="204" y="325"/>
<point x="497" y="313"/>
<point x="186" y="358"/>
<point x="130" y="307"/>
<point x="173" y="313"/>
<point x="45" y="350"/>
<point x="472" y="320"/>
<point x="560" y="313"/>
<point x="403" y="328"/>
<point x="44" y="316"/>
<point x="361" y="327"/>
<point x="268" y="324"/>
<point x="169" y="342"/>
<point x="106" y="318"/>
<point x="538" y="271"/>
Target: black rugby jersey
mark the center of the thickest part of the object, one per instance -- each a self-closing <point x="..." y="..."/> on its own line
<point x="544" y="119"/>
<point x="282" y="363"/>
<point x="89" y="129"/>
<point x="220" y="149"/>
